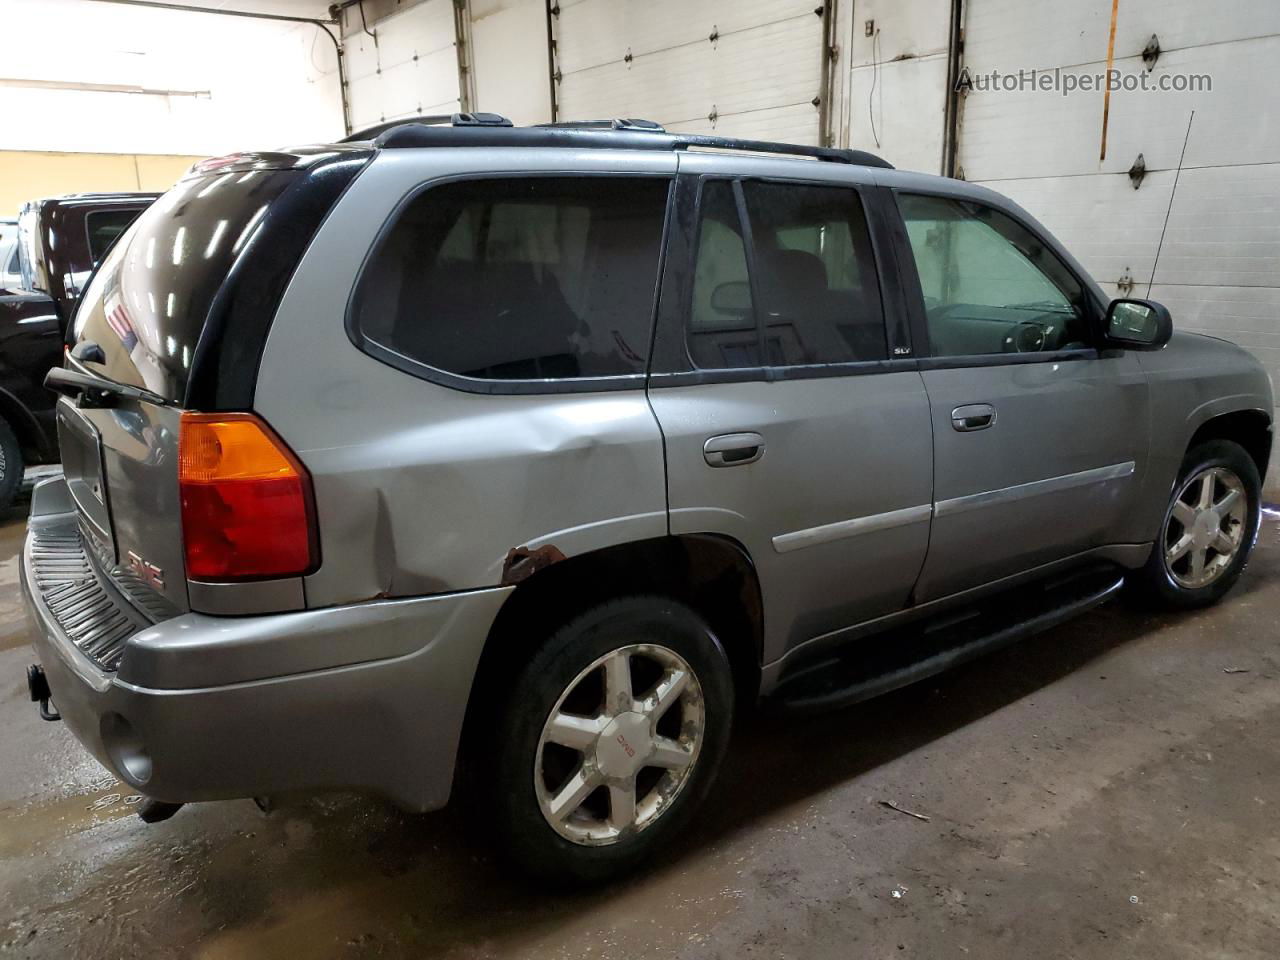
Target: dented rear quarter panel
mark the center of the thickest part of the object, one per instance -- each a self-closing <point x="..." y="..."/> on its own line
<point x="421" y="488"/>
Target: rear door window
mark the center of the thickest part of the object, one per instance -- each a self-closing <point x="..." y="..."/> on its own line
<point x="518" y="279"/>
<point x="801" y="280"/>
<point x="722" y="324"/>
<point x="815" y="275"/>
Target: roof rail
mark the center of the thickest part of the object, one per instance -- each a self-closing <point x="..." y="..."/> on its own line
<point x="435" y="119"/>
<point x="700" y="141"/>
<point x="616" y="123"/>
<point x="595" y="135"/>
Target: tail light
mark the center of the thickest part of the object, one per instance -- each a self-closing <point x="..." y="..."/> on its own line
<point x="247" y="509"/>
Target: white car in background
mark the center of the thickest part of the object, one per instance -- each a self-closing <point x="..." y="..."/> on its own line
<point x="9" y="276"/>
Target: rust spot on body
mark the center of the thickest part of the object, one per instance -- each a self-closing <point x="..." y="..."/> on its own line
<point x="522" y="563"/>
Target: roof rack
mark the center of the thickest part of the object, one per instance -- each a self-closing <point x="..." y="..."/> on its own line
<point x="616" y="123"/>
<point x="699" y="141"/>
<point x="598" y="134"/>
<point x="435" y="119"/>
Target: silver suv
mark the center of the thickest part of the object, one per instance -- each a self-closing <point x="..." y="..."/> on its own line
<point x="548" y="449"/>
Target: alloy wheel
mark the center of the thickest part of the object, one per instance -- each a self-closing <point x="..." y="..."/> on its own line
<point x="1205" y="528"/>
<point x="619" y="744"/>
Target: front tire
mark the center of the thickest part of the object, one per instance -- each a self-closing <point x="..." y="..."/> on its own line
<point x="610" y="739"/>
<point x="1209" y="528"/>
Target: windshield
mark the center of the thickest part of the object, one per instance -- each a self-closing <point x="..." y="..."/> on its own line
<point x="148" y="304"/>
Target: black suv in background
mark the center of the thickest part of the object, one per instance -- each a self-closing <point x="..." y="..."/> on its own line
<point x="60" y="241"/>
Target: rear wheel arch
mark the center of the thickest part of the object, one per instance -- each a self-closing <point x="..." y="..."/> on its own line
<point x="712" y="575"/>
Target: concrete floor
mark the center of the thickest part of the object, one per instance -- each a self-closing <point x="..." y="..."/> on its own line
<point x="1109" y="789"/>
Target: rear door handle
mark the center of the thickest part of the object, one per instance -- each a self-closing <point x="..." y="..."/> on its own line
<point x="733" y="449"/>
<point x="973" y="416"/>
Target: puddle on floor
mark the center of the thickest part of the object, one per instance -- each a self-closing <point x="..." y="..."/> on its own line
<point x="28" y="829"/>
<point x="444" y="905"/>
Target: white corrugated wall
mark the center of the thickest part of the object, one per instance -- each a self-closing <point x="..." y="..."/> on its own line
<point x="739" y="68"/>
<point x="408" y="68"/>
<point x="1219" y="268"/>
<point x="892" y="79"/>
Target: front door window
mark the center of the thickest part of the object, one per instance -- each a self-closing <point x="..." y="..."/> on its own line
<point x="989" y="284"/>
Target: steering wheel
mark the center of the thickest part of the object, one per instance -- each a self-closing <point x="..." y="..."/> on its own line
<point x="1025" y="337"/>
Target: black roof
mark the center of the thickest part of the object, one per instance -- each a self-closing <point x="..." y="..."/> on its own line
<point x="68" y="199"/>
<point x="287" y="158"/>
<point x="47" y="205"/>
<point x="493" y="130"/>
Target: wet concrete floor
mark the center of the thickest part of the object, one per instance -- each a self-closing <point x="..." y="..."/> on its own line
<point x="1108" y="789"/>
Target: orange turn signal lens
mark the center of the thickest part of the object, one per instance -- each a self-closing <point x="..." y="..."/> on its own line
<point x="229" y="447"/>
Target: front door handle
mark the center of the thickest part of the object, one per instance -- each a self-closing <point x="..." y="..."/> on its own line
<point x="973" y="416"/>
<point x="733" y="449"/>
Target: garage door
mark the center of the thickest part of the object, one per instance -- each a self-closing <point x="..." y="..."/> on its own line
<point x="1217" y="269"/>
<point x="411" y="68"/>
<point x="693" y="67"/>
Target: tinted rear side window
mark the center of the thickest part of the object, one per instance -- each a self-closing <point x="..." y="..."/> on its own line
<point x="722" y="323"/>
<point x="815" y="274"/>
<point x="520" y="279"/>
<point x="812" y="294"/>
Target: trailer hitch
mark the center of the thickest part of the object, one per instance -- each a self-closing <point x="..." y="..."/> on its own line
<point x="38" y="687"/>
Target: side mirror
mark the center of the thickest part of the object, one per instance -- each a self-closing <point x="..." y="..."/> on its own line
<point x="1138" y="324"/>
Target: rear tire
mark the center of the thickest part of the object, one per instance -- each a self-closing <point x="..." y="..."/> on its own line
<point x="1208" y="531"/>
<point x="589" y="774"/>
<point x="11" y="465"/>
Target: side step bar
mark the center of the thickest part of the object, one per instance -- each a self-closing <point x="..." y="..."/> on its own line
<point x="898" y="658"/>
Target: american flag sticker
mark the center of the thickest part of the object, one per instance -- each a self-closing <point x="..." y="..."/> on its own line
<point x="118" y="319"/>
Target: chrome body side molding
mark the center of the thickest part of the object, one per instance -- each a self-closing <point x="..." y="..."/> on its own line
<point x="812" y="536"/>
<point x="1021" y="491"/>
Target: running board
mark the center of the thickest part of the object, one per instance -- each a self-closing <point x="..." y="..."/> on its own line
<point x="877" y="664"/>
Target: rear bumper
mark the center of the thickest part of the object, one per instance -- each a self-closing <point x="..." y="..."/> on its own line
<point x="369" y="696"/>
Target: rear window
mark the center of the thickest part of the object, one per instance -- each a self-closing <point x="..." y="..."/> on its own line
<point x="150" y="299"/>
<point x="526" y="279"/>
<point x="104" y="226"/>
